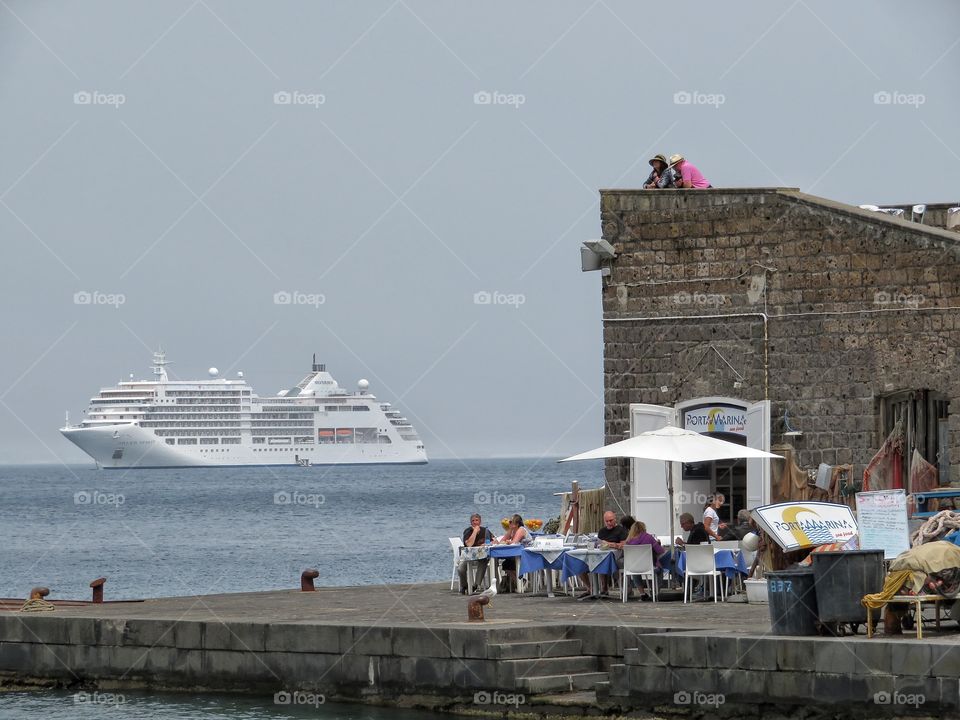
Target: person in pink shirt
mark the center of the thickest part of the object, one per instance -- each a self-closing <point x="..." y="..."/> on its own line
<point x="690" y="176"/>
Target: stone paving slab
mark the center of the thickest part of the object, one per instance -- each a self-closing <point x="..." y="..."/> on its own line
<point x="433" y="604"/>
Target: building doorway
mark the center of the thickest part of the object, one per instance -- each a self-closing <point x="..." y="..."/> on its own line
<point x="744" y="483"/>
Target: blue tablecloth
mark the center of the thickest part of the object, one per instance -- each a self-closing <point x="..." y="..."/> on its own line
<point x="534" y="561"/>
<point x="573" y="566"/>
<point x="729" y="562"/>
<point x="505" y="551"/>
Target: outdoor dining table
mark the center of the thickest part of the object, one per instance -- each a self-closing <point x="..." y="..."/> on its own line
<point x="728" y="561"/>
<point x="596" y="562"/>
<point x="534" y="560"/>
<point x="501" y="552"/>
<point x="505" y="551"/>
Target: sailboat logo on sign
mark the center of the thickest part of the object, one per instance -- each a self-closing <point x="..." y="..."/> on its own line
<point x="801" y="525"/>
<point x="813" y="531"/>
<point x="716" y="420"/>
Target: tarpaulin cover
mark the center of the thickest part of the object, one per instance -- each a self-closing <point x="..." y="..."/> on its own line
<point x="885" y="471"/>
<point x="927" y="559"/>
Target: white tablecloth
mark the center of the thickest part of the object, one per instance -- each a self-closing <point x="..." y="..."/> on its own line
<point x="591" y="557"/>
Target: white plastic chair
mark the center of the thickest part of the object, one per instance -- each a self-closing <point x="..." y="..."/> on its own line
<point x="638" y="560"/>
<point x="700" y="562"/>
<point x="455" y="545"/>
<point x="733" y="545"/>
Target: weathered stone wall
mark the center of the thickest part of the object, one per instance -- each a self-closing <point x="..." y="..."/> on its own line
<point x="860" y="678"/>
<point x="821" y="307"/>
<point x="679" y="674"/>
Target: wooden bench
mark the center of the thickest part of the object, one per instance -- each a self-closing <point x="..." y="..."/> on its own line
<point x="918" y="602"/>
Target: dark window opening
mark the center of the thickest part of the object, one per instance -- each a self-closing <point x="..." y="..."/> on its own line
<point x="924" y="415"/>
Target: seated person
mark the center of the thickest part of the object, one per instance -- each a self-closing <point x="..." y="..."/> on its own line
<point x="689" y="175"/>
<point x="614" y="535"/>
<point x="697" y="534"/>
<point x="627" y="521"/>
<point x="662" y="176"/>
<point x="516" y="535"/>
<point x="638" y="535"/>
<point x="473" y="536"/>
<point x="612" y="532"/>
<point x="743" y="527"/>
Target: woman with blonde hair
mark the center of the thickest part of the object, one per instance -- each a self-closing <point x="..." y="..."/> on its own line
<point x="638" y="535"/>
<point x="516" y="535"/>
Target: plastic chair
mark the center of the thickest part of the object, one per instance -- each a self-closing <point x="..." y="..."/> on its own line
<point x="638" y="560"/>
<point x="455" y="545"/>
<point x="701" y="563"/>
<point x="732" y="545"/>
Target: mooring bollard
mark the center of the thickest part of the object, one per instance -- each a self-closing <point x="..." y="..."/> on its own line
<point x="307" y="578"/>
<point x="39" y="593"/>
<point x="475" y="608"/>
<point x="97" y="586"/>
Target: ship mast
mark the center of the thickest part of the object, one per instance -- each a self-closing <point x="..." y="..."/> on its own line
<point x="159" y="366"/>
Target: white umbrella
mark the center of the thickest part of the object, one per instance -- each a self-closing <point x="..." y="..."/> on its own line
<point x="673" y="444"/>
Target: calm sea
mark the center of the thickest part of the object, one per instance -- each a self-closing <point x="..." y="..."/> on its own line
<point x="184" y="532"/>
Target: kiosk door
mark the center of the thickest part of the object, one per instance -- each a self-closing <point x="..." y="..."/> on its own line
<point x="648" y="478"/>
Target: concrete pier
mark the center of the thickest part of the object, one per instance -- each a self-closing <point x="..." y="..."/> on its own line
<point x="411" y="645"/>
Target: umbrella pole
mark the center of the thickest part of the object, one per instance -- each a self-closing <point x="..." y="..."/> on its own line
<point x="673" y="544"/>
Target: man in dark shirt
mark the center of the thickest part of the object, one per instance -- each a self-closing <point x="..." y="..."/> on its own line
<point x="614" y="535"/>
<point x="697" y="532"/>
<point x="473" y="536"/>
<point x="612" y="532"/>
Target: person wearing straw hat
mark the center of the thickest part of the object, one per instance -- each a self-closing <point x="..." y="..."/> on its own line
<point x="661" y="176"/>
<point x="690" y="176"/>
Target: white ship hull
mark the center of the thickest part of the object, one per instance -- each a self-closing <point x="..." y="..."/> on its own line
<point x="218" y="422"/>
<point x="142" y="449"/>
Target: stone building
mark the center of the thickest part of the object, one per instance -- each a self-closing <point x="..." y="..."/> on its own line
<point x="766" y="316"/>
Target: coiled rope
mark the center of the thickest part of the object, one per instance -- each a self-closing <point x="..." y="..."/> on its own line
<point x="936" y="527"/>
<point x="38" y="605"/>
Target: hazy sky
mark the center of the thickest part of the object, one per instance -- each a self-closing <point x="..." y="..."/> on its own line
<point x="194" y="159"/>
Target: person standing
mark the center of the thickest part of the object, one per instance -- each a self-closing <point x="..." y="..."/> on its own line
<point x="711" y="518"/>
<point x="690" y="175"/>
<point x="473" y="536"/>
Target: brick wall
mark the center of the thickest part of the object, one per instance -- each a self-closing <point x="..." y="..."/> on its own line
<point x="821" y="307"/>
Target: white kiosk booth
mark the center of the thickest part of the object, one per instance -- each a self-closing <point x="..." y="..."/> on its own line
<point x="745" y="483"/>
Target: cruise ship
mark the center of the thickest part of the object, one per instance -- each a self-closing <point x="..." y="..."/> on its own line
<point x="164" y="423"/>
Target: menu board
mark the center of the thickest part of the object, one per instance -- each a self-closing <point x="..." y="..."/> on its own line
<point x="882" y="517"/>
